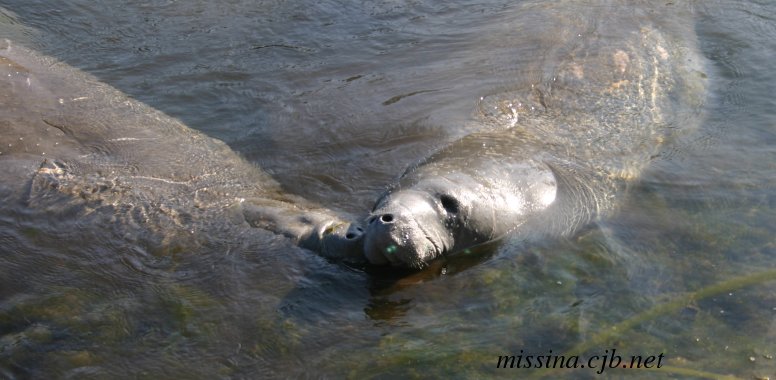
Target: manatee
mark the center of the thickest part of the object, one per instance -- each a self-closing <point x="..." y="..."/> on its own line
<point x="609" y="85"/>
<point x="72" y="148"/>
<point x="606" y="85"/>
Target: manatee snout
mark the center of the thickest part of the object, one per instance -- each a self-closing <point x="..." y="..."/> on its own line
<point x="406" y="229"/>
<point x="343" y="241"/>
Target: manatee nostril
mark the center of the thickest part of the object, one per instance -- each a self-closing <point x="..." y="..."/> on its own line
<point x="449" y="203"/>
<point x="350" y="235"/>
<point x="386" y="218"/>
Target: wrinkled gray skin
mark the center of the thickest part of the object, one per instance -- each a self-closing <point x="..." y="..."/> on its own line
<point x="75" y="149"/>
<point x="607" y="86"/>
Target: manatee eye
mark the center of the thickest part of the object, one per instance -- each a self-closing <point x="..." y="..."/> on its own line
<point x="449" y="203"/>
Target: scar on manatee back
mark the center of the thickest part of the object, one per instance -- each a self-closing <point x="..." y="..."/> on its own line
<point x="13" y="65"/>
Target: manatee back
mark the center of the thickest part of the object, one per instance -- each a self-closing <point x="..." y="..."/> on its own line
<point x="70" y="146"/>
<point x="609" y="87"/>
<point x="76" y="148"/>
<point x="54" y="111"/>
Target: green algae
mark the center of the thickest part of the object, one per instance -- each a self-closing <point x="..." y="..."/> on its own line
<point x="606" y="335"/>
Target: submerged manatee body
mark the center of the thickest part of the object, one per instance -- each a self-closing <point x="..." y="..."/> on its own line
<point x="606" y="83"/>
<point x="607" y="86"/>
<point x="75" y="149"/>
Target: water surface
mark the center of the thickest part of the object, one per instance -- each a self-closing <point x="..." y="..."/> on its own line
<point x="335" y="99"/>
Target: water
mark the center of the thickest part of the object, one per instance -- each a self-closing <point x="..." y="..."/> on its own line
<point x="335" y="100"/>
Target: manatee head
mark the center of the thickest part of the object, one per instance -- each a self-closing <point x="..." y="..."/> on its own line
<point x="446" y="214"/>
<point x="410" y="228"/>
<point x="339" y="240"/>
<point x="315" y="229"/>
